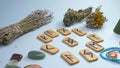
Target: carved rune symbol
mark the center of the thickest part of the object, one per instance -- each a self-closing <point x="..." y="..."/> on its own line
<point x="88" y="53"/>
<point x="69" y="57"/>
<point x="49" y="48"/>
<point x="44" y="37"/>
<point x="71" y="41"/>
<point x="49" y="32"/>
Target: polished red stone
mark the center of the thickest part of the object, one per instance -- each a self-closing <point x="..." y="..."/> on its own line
<point x="113" y="55"/>
<point x="16" y="57"/>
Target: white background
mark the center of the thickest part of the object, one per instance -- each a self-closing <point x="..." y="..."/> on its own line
<point x="12" y="11"/>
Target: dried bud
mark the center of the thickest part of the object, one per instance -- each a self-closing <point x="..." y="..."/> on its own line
<point x="72" y="16"/>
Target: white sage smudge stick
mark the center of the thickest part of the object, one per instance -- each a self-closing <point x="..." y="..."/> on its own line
<point x="33" y="21"/>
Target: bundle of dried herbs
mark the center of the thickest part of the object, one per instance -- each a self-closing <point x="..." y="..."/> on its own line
<point x="72" y="16"/>
<point x="33" y="21"/>
<point x="96" y="19"/>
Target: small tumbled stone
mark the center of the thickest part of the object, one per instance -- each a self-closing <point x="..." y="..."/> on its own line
<point x="9" y="66"/>
<point x="113" y="55"/>
<point x="17" y="57"/>
<point x="36" y="55"/>
<point x="33" y="66"/>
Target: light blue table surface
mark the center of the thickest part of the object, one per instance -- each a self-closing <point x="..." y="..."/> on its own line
<point x="12" y="11"/>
